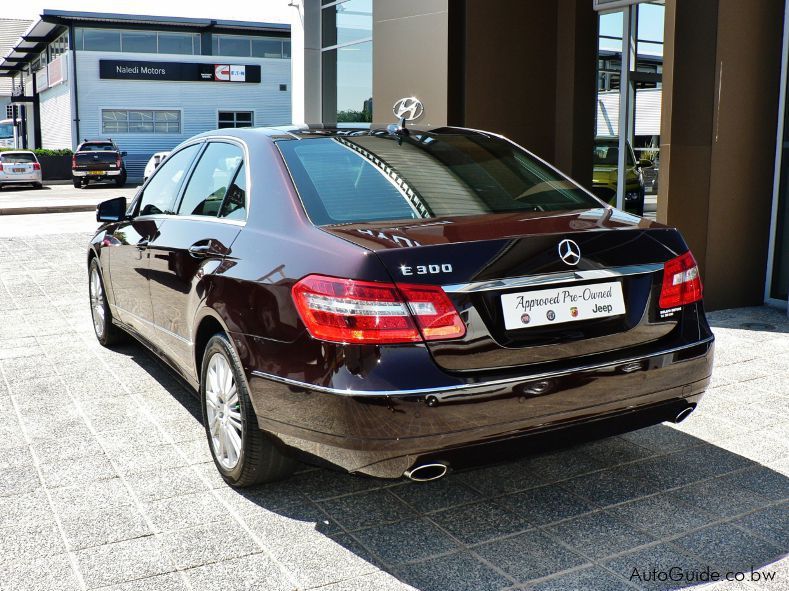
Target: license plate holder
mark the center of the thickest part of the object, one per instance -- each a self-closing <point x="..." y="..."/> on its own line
<point x="559" y="305"/>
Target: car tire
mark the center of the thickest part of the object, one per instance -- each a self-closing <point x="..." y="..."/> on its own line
<point x="121" y="180"/>
<point x="38" y="185"/>
<point x="77" y="183"/>
<point x="243" y="454"/>
<point x="106" y="332"/>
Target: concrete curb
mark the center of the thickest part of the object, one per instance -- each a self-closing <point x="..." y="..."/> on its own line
<point x="48" y="209"/>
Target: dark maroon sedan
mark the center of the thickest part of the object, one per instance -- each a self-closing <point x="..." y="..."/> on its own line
<point x="394" y="302"/>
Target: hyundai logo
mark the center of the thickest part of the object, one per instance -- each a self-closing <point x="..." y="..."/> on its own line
<point x="569" y="252"/>
<point x="408" y="109"/>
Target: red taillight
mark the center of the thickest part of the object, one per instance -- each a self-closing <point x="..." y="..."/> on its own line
<point x="36" y="166"/>
<point x="350" y="311"/>
<point x="681" y="282"/>
<point x="118" y="162"/>
<point x="73" y="162"/>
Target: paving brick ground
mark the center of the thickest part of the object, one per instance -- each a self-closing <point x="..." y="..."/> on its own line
<point x="106" y="480"/>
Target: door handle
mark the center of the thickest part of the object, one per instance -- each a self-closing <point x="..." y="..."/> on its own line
<point x="200" y="250"/>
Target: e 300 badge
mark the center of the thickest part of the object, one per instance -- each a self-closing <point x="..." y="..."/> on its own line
<point x="426" y="269"/>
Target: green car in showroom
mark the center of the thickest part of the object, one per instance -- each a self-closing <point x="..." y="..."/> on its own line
<point x="604" y="176"/>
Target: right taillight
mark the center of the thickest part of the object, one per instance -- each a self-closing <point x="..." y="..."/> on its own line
<point x="681" y="282"/>
<point x="372" y="312"/>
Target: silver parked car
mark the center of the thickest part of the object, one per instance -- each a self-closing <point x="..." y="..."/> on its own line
<point x="20" y="167"/>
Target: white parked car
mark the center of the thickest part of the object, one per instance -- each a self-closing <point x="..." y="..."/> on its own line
<point x="153" y="164"/>
<point x="20" y="167"/>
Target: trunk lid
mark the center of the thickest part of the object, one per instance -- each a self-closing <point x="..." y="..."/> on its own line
<point x="479" y="259"/>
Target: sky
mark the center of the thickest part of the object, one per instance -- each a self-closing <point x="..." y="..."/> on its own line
<point x="242" y="10"/>
<point x="650" y="26"/>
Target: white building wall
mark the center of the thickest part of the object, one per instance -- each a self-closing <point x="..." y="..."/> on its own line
<point x="199" y="102"/>
<point x="55" y="110"/>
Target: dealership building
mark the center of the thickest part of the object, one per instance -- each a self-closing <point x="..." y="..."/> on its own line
<point x="146" y="82"/>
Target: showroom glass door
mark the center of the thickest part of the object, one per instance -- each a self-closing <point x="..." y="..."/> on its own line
<point x="777" y="288"/>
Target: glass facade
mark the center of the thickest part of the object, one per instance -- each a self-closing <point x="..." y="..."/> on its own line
<point x="140" y="121"/>
<point x="347" y="61"/>
<point x="136" y="41"/>
<point x="246" y="46"/>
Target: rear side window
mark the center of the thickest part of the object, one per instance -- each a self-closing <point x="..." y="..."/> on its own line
<point x="380" y="177"/>
<point x="161" y="191"/>
<point x="20" y="157"/>
<point x="234" y="206"/>
<point x="211" y="179"/>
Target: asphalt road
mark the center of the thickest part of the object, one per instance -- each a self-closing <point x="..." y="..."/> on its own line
<point x="106" y="480"/>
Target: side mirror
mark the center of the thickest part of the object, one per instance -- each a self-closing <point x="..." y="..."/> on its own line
<point x="112" y="210"/>
<point x="646" y="163"/>
<point x="123" y="154"/>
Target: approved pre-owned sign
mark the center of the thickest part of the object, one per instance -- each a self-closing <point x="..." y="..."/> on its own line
<point x="177" y="71"/>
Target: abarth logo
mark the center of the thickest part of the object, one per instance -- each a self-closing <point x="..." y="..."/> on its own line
<point x="408" y="108"/>
<point x="569" y="252"/>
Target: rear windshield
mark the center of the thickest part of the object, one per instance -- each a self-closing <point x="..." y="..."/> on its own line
<point x="96" y="147"/>
<point x="380" y="177"/>
<point x="20" y="157"/>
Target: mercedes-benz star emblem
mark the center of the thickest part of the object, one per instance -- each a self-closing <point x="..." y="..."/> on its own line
<point x="408" y="108"/>
<point x="569" y="252"/>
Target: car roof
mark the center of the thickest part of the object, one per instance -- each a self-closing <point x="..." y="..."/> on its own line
<point x="295" y="132"/>
<point x="17" y="152"/>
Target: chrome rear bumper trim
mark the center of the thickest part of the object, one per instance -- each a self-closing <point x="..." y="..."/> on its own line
<point x="458" y="387"/>
<point x="552" y="278"/>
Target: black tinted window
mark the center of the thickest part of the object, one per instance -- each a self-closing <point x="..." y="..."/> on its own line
<point x="210" y="180"/>
<point x="382" y="177"/>
<point x="95" y="147"/>
<point x="162" y="189"/>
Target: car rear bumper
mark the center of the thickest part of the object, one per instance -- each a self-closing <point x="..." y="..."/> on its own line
<point x="22" y="179"/>
<point x="92" y="174"/>
<point x="383" y="433"/>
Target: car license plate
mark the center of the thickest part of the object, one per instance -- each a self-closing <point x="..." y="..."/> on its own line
<point x="562" y="304"/>
<point x="96" y="172"/>
<point x="19" y="170"/>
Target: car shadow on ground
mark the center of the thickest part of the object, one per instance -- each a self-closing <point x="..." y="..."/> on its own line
<point x="26" y="188"/>
<point x="654" y="508"/>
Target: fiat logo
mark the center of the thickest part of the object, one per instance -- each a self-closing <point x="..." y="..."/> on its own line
<point x="408" y="108"/>
<point x="569" y="252"/>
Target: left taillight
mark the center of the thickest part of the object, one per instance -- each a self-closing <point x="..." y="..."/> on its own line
<point x="352" y="311"/>
<point x="681" y="282"/>
<point x="36" y="166"/>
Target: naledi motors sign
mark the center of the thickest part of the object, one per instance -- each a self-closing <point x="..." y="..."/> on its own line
<point x="177" y="71"/>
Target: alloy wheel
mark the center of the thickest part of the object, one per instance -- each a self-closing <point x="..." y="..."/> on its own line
<point x="223" y="412"/>
<point x="97" y="302"/>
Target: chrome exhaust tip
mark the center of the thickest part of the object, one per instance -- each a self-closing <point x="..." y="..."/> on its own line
<point x="684" y="413"/>
<point x="426" y="472"/>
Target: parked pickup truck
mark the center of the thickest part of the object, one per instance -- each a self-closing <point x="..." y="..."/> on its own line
<point x="98" y="160"/>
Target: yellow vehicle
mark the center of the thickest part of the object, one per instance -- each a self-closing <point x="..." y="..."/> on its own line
<point x="604" y="176"/>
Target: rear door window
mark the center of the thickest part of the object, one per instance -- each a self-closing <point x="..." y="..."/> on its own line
<point x="162" y="189"/>
<point x="211" y="179"/>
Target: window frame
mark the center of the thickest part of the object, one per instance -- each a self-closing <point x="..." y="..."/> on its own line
<point x="134" y="208"/>
<point x="153" y="112"/>
<point x="235" y="113"/>
<point x="182" y="190"/>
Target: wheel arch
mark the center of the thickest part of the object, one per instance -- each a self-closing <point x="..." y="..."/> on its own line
<point x="207" y="323"/>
